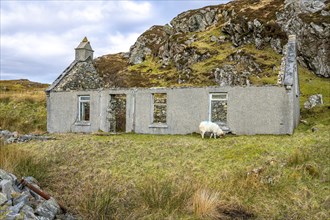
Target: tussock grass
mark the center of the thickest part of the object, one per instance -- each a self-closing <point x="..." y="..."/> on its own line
<point x="23" y="163"/>
<point x="103" y="201"/>
<point x="22" y="106"/>
<point x="205" y="204"/>
<point x="23" y="112"/>
<point x="164" y="195"/>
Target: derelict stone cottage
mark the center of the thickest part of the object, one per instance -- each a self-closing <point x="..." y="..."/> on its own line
<point x="77" y="102"/>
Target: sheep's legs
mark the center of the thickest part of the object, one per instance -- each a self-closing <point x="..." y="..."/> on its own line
<point x="202" y="133"/>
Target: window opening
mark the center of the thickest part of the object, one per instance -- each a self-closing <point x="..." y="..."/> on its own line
<point x="159" y="108"/>
<point x="218" y="108"/>
<point x="84" y="108"/>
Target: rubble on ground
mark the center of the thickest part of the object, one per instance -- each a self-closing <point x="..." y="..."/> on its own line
<point x="14" y="137"/>
<point x="18" y="201"/>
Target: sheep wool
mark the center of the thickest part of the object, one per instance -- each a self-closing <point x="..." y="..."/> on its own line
<point x="207" y="126"/>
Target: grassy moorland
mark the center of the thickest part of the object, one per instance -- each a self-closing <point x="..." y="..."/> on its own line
<point x="132" y="176"/>
<point x="23" y="106"/>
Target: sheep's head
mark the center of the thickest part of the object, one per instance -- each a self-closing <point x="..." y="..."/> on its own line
<point x="220" y="132"/>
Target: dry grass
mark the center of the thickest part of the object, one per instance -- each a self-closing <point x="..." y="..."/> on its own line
<point x="23" y="163"/>
<point x="183" y="177"/>
<point x="23" y="111"/>
<point x="27" y="96"/>
<point x="205" y="204"/>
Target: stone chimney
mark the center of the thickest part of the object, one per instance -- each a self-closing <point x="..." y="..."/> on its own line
<point x="84" y="50"/>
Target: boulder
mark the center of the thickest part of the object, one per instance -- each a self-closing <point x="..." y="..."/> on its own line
<point x="48" y="209"/>
<point x="3" y="198"/>
<point x="313" y="100"/>
<point x="7" y="188"/>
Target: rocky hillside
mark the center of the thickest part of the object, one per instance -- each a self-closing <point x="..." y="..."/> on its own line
<point x="239" y="43"/>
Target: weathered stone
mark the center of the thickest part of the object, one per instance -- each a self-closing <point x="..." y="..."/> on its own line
<point x="228" y="76"/>
<point x="313" y="39"/>
<point x="214" y="38"/>
<point x="258" y="42"/>
<point x="313" y="100"/>
<point x="16" y="208"/>
<point x="22" y="203"/>
<point x="28" y="213"/>
<point x="5" y="133"/>
<point x="116" y="113"/>
<point x="312" y="5"/>
<point x="194" y="20"/>
<point x="222" y="38"/>
<point x="304" y="122"/>
<point x="4" y="175"/>
<point x="276" y="45"/>
<point x="149" y="43"/>
<point x="24" y="197"/>
<point x="15" y="134"/>
<point x="11" y="216"/>
<point x="11" y="140"/>
<point x="256" y="23"/>
<point x="7" y="188"/>
<point x="32" y="180"/>
<point x="325" y="13"/>
<point x="168" y="29"/>
<point x="48" y="209"/>
<point x="3" y="198"/>
<point x="290" y="62"/>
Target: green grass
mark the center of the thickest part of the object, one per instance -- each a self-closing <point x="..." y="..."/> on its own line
<point x="152" y="176"/>
<point x="311" y="84"/>
<point x="23" y="106"/>
<point x="23" y="163"/>
<point x="25" y="114"/>
<point x="20" y="85"/>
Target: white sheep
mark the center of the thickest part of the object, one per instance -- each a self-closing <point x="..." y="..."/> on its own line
<point x="207" y="126"/>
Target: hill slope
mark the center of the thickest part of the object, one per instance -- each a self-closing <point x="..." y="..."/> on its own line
<point x="240" y="43"/>
<point x="23" y="106"/>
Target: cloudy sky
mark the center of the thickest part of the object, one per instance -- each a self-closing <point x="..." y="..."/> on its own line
<point x="38" y="37"/>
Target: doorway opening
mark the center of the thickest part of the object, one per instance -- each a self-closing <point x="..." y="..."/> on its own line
<point x="117" y="113"/>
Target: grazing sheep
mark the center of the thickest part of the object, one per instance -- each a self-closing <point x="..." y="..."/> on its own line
<point x="207" y="126"/>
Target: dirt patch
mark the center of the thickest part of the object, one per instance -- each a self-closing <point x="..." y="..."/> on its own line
<point x="234" y="212"/>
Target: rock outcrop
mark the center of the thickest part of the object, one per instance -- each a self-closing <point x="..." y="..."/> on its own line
<point x="309" y="20"/>
<point x="196" y="36"/>
<point x="195" y="20"/>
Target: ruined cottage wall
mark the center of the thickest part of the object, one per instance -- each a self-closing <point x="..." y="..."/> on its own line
<point x="62" y="112"/>
<point x="261" y="110"/>
<point x="291" y="81"/>
<point x="251" y="110"/>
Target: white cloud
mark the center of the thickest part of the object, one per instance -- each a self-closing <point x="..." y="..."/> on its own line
<point x="118" y="42"/>
<point x="22" y="44"/>
<point x="38" y="37"/>
<point x="65" y="15"/>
